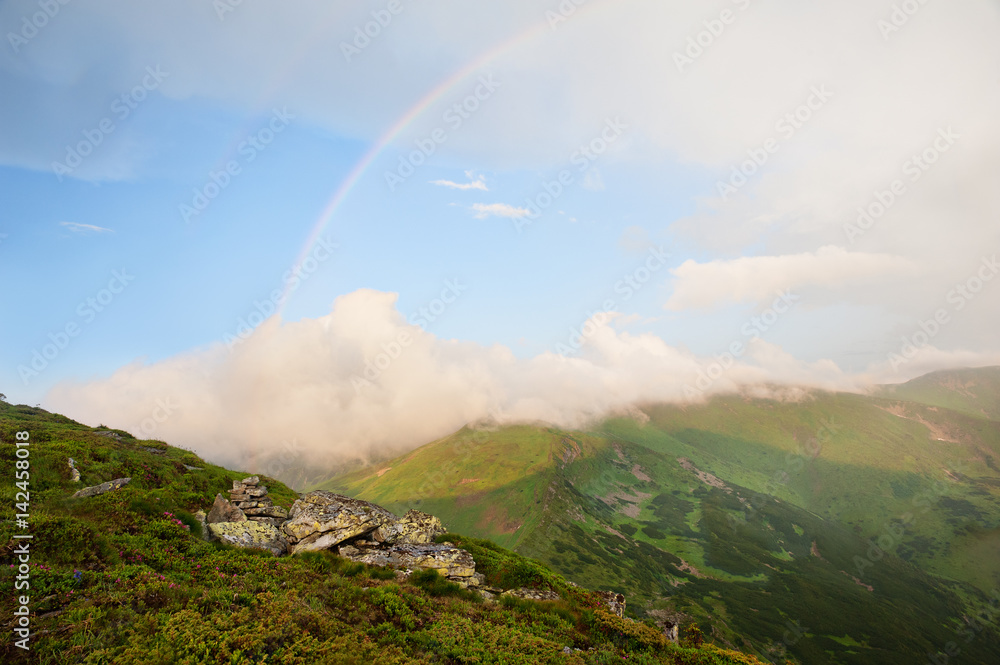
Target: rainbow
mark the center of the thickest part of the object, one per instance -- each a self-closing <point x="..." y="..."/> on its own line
<point x="357" y="172"/>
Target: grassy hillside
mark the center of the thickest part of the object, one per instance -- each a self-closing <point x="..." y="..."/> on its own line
<point x="125" y="577"/>
<point x="750" y="515"/>
<point x="972" y="391"/>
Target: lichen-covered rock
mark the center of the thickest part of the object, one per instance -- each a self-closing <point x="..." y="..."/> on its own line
<point x="102" y="488"/>
<point x="203" y="521"/>
<point x="448" y="560"/>
<point x="266" y="511"/>
<point x="532" y="594"/>
<point x="251" y="534"/>
<point x="223" y="511"/>
<point x="73" y="471"/>
<point x="614" y="601"/>
<point x="669" y="621"/>
<point x="414" y="528"/>
<point x="323" y="519"/>
<point x="274" y="521"/>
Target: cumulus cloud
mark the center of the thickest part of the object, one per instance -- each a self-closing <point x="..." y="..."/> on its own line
<point x="909" y="361"/>
<point x="361" y="382"/>
<point x="756" y="278"/>
<point x="476" y="183"/>
<point x="484" y="210"/>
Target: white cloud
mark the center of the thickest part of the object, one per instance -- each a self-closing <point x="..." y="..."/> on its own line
<point x="76" y="227"/>
<point x="317" y="381"/>
<point x="484" y="210"/>
<point x="903" y="365"/>
<point x="478" y="183"/>
<point x="758" y="277"/>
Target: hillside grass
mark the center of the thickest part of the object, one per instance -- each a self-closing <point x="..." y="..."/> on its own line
<point x="811" y="483"/>
<point x="125" y="577"/>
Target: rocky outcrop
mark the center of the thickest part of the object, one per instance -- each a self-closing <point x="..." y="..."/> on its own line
<point x="322" y="519"/>
<point x="73" y="471"/>
<point x="223" y="511"/>
<point x="102" y="488"/>
<point x="669" y="622"/>
<point x="414" y="528"/>
<point x="367" y="533"/>
<point x="203" y="522"/>
<point x="361" y="531"/>
<point x="251" y="535"/>
<point x="449" y="561"/>
<point x="251" y="498"/>
<point x="532" y="594"/>
<point x="614" y="601"/>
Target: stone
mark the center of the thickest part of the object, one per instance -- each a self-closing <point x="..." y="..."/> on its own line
<point x="223" y="511"/>
<point x="267" y="511"/>
<point x="450" y="562"/>
<point x="73" y="471"/>
<point x="669" y="622"/>
<point x="252" y="480"/>
<point x="323" y="519"/>
<point x="413" y="528"/>
<point x="532" y="594"/>
<point x="273" y="521"/>
<point x="193" y="468"/>
<point x="102" y="488"/>
<point x="251" y="535"/>
<point x="614" y="601"/>
<point x="255" y="491"/>
<point x="203" y="521"/>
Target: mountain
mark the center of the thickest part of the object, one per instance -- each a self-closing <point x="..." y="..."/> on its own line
<point x="125" y="577"/>
<point x="835" y="528"/>
<point x="972" y="391"/>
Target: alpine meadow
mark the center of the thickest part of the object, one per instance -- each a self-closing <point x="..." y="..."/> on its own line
<point x="574" y="332"/>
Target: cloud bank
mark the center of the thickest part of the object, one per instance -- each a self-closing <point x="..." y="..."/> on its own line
<point x="361" y="382"/>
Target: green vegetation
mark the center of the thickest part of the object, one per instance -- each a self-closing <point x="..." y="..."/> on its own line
<point x="837" y="528"/>
<point x="970" y="391"/>
<point x="125" y="577"/>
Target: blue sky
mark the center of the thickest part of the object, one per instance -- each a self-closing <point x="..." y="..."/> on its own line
<point x="161" y="98"/>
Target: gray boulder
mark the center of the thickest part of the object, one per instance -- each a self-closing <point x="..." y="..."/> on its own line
<point x="102" y="488"/>
<point x="323" y="519"/>
<point x="223" y="511"/>
<point x="203" y="522"/>
<point x="414" y="528"/>
<point x="451" y="562"/>
<point x="251" y="535"/>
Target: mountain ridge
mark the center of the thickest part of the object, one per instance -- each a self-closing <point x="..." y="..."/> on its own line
<point x="659" y="498"/>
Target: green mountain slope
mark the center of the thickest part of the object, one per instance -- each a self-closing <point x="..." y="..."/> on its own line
<point x="872" y="522"/>
<point x="124" y="578"/>
<point x="972" y="391"/>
